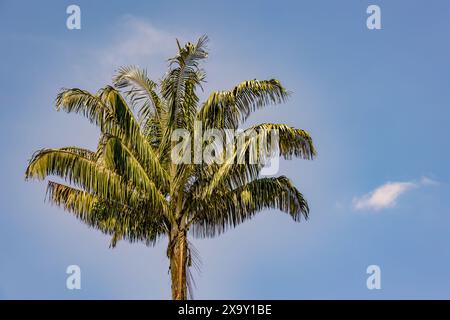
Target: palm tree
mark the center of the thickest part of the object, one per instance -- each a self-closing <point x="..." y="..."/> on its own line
<point x="130" y="188"/>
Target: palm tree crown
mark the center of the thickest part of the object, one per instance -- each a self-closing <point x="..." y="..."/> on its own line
<point x="130" y="187"/>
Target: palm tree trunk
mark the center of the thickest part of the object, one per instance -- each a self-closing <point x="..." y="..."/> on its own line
<point x="178" y="263"/>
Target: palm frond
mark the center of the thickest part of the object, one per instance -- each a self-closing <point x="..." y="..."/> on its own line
<point x="291" y="141"/>
<point x="112" y="218"/>
<point x="141" y="90"/>
<point x="226" y="209"/>
<point x="178" y="87"/>
<point x="238" y="168"/>
<point x="227" y="109"/>
<point x="109" y="110"/>
<point x="83" y="102"/>
<point x="120" y="160"/>
<point x="84" y="173"/>
<point x="86" y="153"/>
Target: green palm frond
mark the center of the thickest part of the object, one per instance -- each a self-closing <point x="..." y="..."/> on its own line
<point x="86" y="153"/>
<point x="108" y="110"/>
<point x="81" y="101"/>
<point x="291" y="142"/>
<point x="178" y="87"/>
<point x="111" y="218"/>
<point x="228" y="109"/>
<point x="141" y="90"/>
<point x="81" y="172"/>
<point x="226" y="209"/>
<point x="119" y="159"/>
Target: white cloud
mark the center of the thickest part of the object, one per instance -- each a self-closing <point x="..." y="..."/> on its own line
<point x="386" y="195"/>
<point x="425" y="181"/>
<point x="137" y="40"/>
<point x="128" y="41"/>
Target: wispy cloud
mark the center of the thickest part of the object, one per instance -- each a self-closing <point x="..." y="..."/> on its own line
<point x="136" y="40"/>
<point x="129" y="41"/>
<point x="386" y="195"/>
<point x="425" y="181"/>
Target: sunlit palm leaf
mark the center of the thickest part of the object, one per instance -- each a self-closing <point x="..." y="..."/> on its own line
<point x="225" y="209"/>
<point x="227" y="109"/>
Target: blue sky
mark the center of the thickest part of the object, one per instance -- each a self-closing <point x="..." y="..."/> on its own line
<point x="375" y="101"/>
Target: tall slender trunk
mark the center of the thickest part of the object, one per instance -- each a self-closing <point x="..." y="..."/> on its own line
<point x="178" y="253"/>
